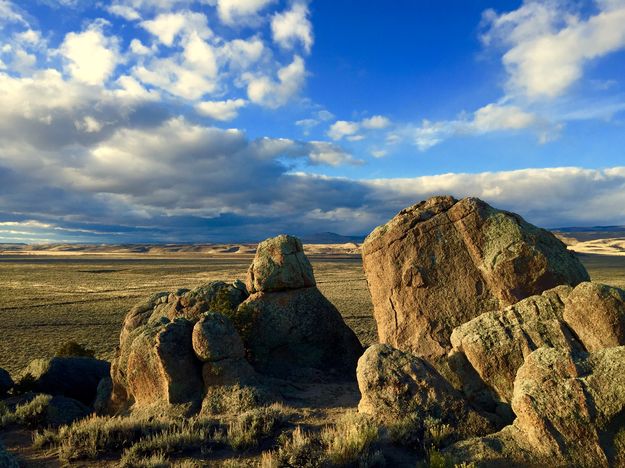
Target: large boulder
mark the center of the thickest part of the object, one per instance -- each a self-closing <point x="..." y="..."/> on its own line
<point x="442" y="262"/>
<point x="570" y="410"/>
<point x="395" y="384"/>
<point x="218" y="345"/>
<point x="296" y="334"/>
<point x="73" y="377"/>
<point x="162" y="367"/>
<point x="596" y="313"/>
<point x="496" y="343"/>
<point x="279" y="264"/>
<point x="6" y="383"/>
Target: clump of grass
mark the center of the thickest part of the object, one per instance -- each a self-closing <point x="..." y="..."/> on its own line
<point x="421" y="434"/>
<point x="190" y="435"/>
<point x="297" y="449"/>
<point x="249" y="428"/>
<point x="349" y="439"/>
<point x="73" y="349"/>
<point x="96" y="435"/>
<point x="31" y="413"/>
<point x="437" y="459"/>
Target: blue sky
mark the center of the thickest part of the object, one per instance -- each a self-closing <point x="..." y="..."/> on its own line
<point x="218" y="120"/>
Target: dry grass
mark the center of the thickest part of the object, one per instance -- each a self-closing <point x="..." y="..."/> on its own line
<point x="47" y="300"/>
<point x="28" y="414"/>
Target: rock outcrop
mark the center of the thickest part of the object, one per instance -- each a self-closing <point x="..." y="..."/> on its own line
<point x="442" y="262"/>
<point x="6" y="383"/>
<point x="177" y="349"/>
<point x="291" y="329"/>
<point x="395" y="385"/>
<point x="72" y="377"/>
<point x="570" y="410"/>
<point x="494" y="345"/>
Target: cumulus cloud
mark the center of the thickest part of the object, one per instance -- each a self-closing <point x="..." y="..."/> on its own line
<point x="275" y="93"/>
<point x="168" y="26"/>
<point x="91" y="56"/>
<point x="293" y="26"/>
<point x="232" y="11"/>
<point x="348" y="129"/>
<point x="221" y="110"/>
<point x="490" y="118"/>
<point x="548" y="43"/>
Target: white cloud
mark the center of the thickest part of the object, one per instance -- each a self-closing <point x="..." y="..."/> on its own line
<point x="221" y="110"/>
<point x="322" y="152"/>
<point x="267" y="92"/>
<point x="10" y="14"/>
<point x="549" y="44"/>
<point x="242" y="53"/>
<point x="232" y="12"/>
<point x="293" y="26"/>
<point x="379" y="153"/>
<point x="342" y="128"/>
<point x="200" y="56"/>
<point x="137" y="47"/>
<point x="92" y="57"/>
<point x="124" y="11"/>
<point x="168" y="26"/>
<point x="376" y="122"/>
<point x="490" y="118"/>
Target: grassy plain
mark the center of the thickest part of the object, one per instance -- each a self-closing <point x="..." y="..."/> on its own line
<point x="48" y="300"/>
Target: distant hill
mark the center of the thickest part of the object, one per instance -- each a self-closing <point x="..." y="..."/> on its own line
<point x="331" y="238"/>
<point x="583" y="234"/>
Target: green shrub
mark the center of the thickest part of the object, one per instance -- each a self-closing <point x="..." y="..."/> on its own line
<point x="249" y="428"/>
<point x="31" y="413"/>
<point x="231" y="399"/>
<point x="297" y="449"/>
<point x="349" y="440"/>
<point x="73" y="349"/>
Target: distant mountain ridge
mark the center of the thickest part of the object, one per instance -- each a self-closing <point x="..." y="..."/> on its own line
<point x="331" y="238"/>
<point x="589" y="233"/>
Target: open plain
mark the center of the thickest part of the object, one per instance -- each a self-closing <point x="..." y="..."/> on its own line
<point x="46" y="300"/>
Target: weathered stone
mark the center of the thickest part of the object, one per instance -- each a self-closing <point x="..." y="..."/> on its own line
<point x="230" y="371"/>
<point x="292" y="332"/>
<point x="216" y="339"/>
<point x="6" y="382"/>
<point x="395" y="384"/>
<point x="102" y="403"/>
<point x="596" y="313"/>
<point x="279" y="264"/>
<point x="570" y="410"/>
<point x="162" y="367"/>
<point x="73" y="377"/>
<point x="442" y="262"/>
<point x="497" y="343"/>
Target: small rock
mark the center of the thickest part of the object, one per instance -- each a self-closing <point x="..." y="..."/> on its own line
<point x="216" y="339"/>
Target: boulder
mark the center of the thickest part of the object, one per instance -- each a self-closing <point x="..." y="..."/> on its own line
<point x="496" y="343"/>
<point x="73" y="377"/>
<point x="218" y="345"/>
<point x="395" y="384"/>
<point x="6" y="383"/>
<point x="279" y="264"/>
<point x="297" y="333"/>
<point x="162" y="367"/>
<point x="215" y="339"/>
<point x="596" y="313"/>
<point x="570" y="410"/>
<point x="443" y="262"/>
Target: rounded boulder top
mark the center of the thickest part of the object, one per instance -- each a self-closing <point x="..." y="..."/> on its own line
<point x="280" y="264"/>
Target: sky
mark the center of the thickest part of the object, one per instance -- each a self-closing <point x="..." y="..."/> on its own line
<point x="234" y="120"/>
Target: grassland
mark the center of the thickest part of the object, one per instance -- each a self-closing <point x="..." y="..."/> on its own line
<point x="48" y="300"/>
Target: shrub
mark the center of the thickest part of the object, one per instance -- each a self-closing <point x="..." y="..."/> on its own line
<point x="230" y="399"/>
<point x="31" y="413"/>
<point x="297" y="449"/>
<point x="350" y="440"/>
<point x="249" y="428"/>
<point x="73" y="349"/>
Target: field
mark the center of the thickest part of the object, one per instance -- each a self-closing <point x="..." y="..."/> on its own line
<point x="48" y="300"/>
